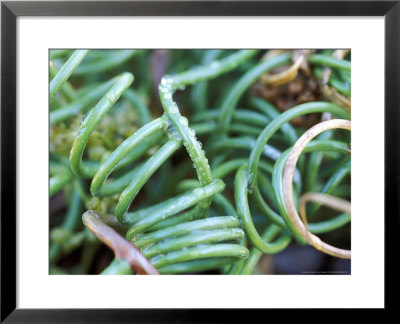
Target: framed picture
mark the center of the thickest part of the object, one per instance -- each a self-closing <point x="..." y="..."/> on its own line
<point x="210" y="142"/>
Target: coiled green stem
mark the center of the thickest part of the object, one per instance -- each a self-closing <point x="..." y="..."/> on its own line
<point x="178" y="227"/>
<point x="176" y="128"/>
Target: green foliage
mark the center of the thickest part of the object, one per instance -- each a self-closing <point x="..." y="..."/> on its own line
<point x="130" y="153"/>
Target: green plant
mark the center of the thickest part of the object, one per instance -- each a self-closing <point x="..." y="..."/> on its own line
<point x="118" y="149"/>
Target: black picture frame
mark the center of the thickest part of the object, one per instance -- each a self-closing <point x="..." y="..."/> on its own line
<point x="10" y="10"/>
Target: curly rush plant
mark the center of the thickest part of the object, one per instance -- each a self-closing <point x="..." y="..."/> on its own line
<point x="195" y="188"/>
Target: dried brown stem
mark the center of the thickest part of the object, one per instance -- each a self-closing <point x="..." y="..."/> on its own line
<point x="340" y="53"/>
<point x="330" y="92"/>
<point x="326" y="74"/>
<point x="122" y="248"/>
<point x="334" y="96"/>
<point x="272" y="53"/>
<point x="284" y="76"/>
<point x="323" y="199"/>
<point x="288" y="186"/>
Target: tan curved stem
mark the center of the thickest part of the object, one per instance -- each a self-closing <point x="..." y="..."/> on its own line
<point x="122" y="248"/>
<point x="288" y="173"/>
<point x="284" y="76"/>
<point x="323" y="199"/>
